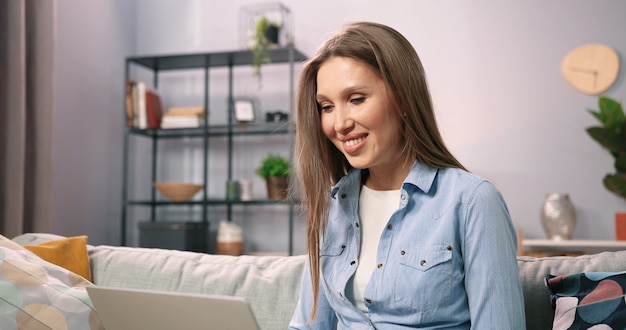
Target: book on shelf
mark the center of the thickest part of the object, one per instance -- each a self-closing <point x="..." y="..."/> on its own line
<point x="154" y="109"/>
<point x="135" y="103"/>
<point x="186" y="111"/>
<point x="182" y="121"/>
<point x="141" y="106"/>
<point x="183" y="117"/>
<point x="130" y="116"/>
<point x="144" y="108"/>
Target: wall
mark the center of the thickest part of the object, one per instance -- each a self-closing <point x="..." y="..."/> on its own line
<point x="493" y="68"/>
<point x="93" y="38"/>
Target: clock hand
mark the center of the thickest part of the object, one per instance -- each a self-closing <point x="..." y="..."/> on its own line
<point x="589" y="71"/>
<point x="573" y="68"/>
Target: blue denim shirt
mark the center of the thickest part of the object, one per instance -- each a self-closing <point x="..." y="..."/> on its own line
<point x="446" y="260"/>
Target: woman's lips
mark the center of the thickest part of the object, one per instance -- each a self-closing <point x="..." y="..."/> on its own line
<point x="352" y="144"/>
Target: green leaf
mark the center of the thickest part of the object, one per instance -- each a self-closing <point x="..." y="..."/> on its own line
<point x="616" y="184"/>
<point x="612" y="114"/>
<point x="273" y="165"/>
<point x="596" y="114"/>
<point x="606" y="138"/>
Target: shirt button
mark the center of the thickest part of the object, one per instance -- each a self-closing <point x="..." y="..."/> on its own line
<point x="449" y="248"/>
<point x="352" y="262"/>
<point x="380" y="265"/>
<point x="389" y="226"/>
<point x="403" y="197"/>
<point x="357" y="225"/>
<point x="369" y="301"/>
<point x="402" y="252"/>
<point x="343" y="246"/>
<point x="344" y="195"/>
<point x="423" y="262"/>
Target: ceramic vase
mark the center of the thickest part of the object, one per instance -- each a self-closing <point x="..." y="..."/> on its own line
<point x="558" y="216"/>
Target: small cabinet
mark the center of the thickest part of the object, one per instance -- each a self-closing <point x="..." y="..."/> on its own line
<point x="213" y="145"/>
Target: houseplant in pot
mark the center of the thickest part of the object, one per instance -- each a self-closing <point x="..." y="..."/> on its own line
<point x="266" y="36"/>
<point x="611" y="135"/>
<point x="275" y="170"/>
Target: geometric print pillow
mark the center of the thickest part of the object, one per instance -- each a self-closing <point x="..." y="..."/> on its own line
<point x="35" y="294"/>
<point x="593" y="300"/>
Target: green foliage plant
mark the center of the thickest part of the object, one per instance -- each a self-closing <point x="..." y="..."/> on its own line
<point x="273" y="166"/>
<point x="611" y="135"/>
<point x="261" y="43"/>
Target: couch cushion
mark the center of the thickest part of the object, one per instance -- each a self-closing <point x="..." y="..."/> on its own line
<point x="270" y="284"/>
<point x="539" y="310"/>
<point x="69" y="253"/>
<point x="36" y="294"/>
<point x="584" y="300"/>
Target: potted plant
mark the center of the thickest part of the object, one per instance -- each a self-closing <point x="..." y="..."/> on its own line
<point x="266" y="36"/>
<point x="612" y="136"/>
<point x="275" y="170"/>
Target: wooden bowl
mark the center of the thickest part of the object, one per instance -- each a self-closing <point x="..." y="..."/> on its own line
<point x="178" y="191"/>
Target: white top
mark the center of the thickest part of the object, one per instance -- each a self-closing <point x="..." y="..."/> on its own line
<point x="375" y="209"/>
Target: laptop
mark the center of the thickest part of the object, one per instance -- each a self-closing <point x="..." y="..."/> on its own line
<point x="132" y="309"/>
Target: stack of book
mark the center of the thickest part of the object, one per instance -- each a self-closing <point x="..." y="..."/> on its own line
<point x="143" y="106"/>
<point x="183" y="117"/>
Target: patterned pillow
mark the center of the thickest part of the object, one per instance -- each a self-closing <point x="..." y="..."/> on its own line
<point x="593" y="300"/>
<point x="36" y="294"/>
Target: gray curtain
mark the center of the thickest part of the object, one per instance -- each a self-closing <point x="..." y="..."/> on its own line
<point x="27" y="33"/>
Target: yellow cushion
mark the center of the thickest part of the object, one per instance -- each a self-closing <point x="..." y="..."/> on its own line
<point x="69" y="253"/>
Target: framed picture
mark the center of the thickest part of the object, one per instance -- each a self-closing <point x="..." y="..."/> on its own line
<point x="244" y="109"/>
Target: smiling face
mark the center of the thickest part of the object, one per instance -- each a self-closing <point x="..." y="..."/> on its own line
<point x="357" y="114"/>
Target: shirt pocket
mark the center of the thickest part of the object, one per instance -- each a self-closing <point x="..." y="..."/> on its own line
<point x="331" y="250"/>
<point x="425" y="277"/>
<point x="333" y="265"/>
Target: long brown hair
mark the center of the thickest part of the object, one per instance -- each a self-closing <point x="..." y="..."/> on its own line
<point x="319" y="164"/>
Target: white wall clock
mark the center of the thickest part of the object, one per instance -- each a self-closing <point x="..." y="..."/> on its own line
<point x="591" y="68"/>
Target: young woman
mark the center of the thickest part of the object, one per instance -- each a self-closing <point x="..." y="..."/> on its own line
<point x="400" y="235"/>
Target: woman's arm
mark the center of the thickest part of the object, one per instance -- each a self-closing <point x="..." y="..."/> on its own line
<point x="325" y="317"/>
<point x="490" y="256"/>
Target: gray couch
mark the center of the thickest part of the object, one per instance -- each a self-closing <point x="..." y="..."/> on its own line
<point x="272" y="284"/>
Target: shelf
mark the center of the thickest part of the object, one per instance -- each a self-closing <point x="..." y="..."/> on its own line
<point x="209" y="60"/>
<point x="547" y="247"/>
<point x="215" y="130"/>
<point x="231" y="131"/>
<point x="211" y="202"/>
<point x="544" y="244"/>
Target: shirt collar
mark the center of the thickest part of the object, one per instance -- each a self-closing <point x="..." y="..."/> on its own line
<point x="421" y="176"/>
<point x="350" y="180"/>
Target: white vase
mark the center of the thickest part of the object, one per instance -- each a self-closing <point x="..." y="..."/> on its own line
<point x="558" y="216"/>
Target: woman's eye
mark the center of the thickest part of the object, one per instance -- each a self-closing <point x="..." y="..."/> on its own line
<point x="326" y="107"/>
<point x="357" y="100"/>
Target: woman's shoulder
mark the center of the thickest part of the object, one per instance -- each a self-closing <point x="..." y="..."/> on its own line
<point x="467" y="181"/>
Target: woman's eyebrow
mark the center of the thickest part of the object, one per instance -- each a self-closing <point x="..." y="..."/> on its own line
<point x="345" y="91"/>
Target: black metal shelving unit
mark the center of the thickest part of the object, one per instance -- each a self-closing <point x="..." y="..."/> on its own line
<point x="156" y="64"/>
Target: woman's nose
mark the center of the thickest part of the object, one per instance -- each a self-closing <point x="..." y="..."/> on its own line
<point x="343" y="120"/>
